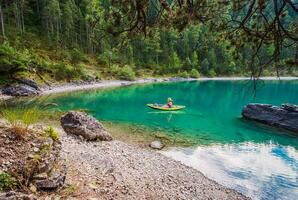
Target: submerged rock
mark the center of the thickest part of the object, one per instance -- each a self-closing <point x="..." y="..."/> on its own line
<point x="156" y="145"/>
<point x="82" y="124"/>
<point x="20" y="90"/>
<point x="284" y="116"/>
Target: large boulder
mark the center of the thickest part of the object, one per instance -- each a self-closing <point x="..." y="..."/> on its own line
<point x="284" y="116"/>
<point x="20" y="90"/>
<point x="82" y="124"/>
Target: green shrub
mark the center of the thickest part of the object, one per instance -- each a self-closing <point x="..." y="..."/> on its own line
<point x="126" y="73"/>
<point x="194" y="73"/>
<point x="64" y="71"/>
<point x="183" y="74"/>
<point x="7" y="182"/>
<point x="11" y="60"/>
<point x="77" y="56"/>
<point x="211" y="73"/>
<point x="52" y="133"/>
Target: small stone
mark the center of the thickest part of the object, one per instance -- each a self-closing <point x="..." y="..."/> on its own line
<point x="41" y="176"/>
<point x="32" y="188"/>
<point x="156" y="145"/>
<point x="92" y="186"/>
<point x="30" y="156"/>
<point x="35" y="149"/>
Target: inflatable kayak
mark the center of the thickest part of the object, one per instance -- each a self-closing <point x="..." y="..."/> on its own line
<point x="160" y="107"/>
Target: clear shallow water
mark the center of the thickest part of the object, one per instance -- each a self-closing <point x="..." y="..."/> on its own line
<point x="260" y="171"/>
<point x="243" y="155"/>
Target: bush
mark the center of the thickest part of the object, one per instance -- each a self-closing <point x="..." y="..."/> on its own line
<point x="7" y="182"/>
<point x="194" y="73"/>
<point x="183" y="74"/>
<point x="77" y="56"/>
<point x="211" y="73"/>
<point x="65" y="71"/>
<point x="11" y="60"/>
<point x="51" y="133"/>
<point x="20" y="119"/>
<point x="127" y="73"/>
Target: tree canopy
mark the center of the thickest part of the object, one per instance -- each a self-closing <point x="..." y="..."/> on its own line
<point x="215" y="37"/>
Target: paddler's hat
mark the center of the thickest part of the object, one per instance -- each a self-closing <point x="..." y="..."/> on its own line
<point x="170" y="99"/>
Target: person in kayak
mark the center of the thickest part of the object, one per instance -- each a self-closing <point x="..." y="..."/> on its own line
<point x="169" y="104"/>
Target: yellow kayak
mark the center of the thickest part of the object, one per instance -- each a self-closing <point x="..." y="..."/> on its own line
<point x="160" y="107"/>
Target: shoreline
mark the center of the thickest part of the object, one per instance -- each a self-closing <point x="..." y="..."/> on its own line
<point x="72" y="87"/>
<point x="117" y="165"/>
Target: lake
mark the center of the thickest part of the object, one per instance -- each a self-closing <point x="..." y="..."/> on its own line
<point x="256" y="160"/>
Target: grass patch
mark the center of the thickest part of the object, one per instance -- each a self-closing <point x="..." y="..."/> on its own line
<point x="7" y="182"/>
<point x="20" y="119"/>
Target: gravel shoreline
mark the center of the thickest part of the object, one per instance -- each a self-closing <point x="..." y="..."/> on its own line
<point x="116" y="170"/>
<point x="70" y="87"/>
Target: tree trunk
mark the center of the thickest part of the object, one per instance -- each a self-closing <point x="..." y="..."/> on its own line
<point x="2" y="22"/>
<point x="22" y="16"/>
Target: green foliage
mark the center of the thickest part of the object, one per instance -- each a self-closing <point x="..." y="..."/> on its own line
<point x="65" y="71"/>
<point x="60" y="39"/>
<point x="205" y="66"/>
<point x="123" y="73"/>
<point x="77" y="56"/>
<point x="51" y="133"/>
<point x="11" y="60"/>
<point x="21" y="115"/>
<point x="126" y="73"/>
<point x="7" y="182"/>
<point x="194" y="73"/>
<point x="183" y="74"/>
<point x="211" y="73"/>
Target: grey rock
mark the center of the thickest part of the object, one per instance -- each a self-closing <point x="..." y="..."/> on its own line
<point x="284" y="116"/>
<point x="52" y="182"/>
<point x="20" y="90"/>
<point x="29" y="82"/>
<point x="156" y="145"/>
<point x="82" y="124"/>
<point x="41" y="176"/>
<point x="11" y="195"/>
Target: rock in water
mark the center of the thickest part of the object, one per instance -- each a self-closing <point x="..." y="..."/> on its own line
<point x="79" y="123"/>
<point x="156" y="145"/>
<point x="284" y="116"/>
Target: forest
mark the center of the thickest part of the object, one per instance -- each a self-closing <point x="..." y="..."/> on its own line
<point x="63" y="40"/>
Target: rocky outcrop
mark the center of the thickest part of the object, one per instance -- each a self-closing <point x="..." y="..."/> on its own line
<point x="284" y="116"/>
<point x="20" y="90"/>
<point x="29" y="82"/>
<point x="25" y="87"/>
<point x="82" y="124"/>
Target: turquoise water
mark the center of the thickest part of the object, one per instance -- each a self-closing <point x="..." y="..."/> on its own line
<point x="258" y="161"/>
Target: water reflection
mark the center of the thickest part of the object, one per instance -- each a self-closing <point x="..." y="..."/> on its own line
<point x="261" y="171"/>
